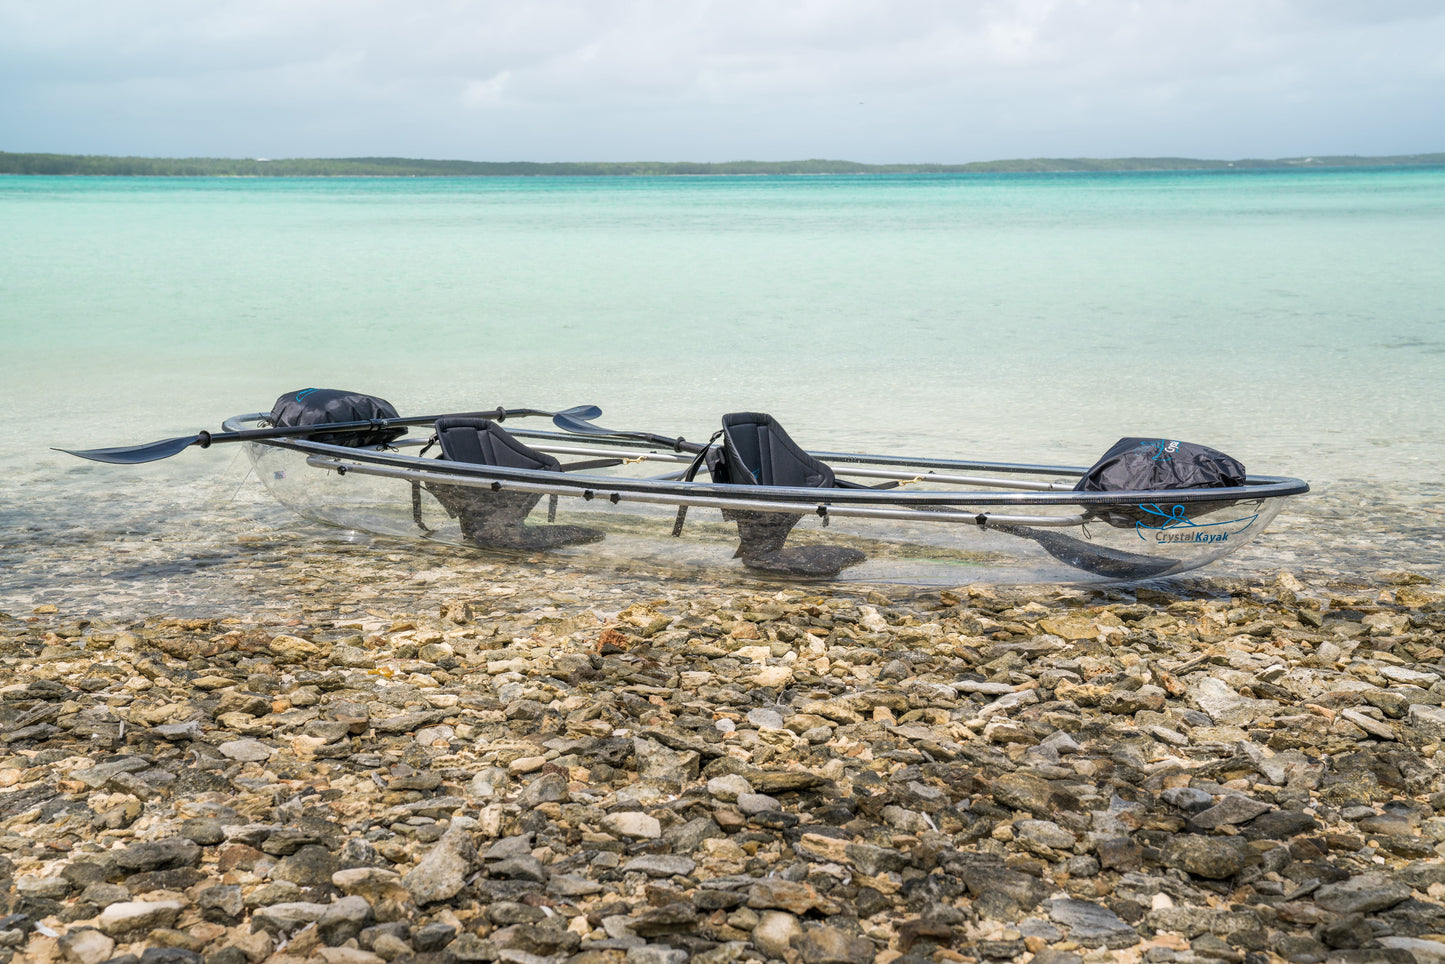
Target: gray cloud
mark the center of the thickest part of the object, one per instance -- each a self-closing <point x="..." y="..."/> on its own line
<point x="908" y="80"/>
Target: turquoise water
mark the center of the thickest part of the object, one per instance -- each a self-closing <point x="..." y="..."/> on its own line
<point x="1295" y="319"/>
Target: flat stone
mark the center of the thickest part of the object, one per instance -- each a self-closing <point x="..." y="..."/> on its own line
<point x="1214" y="858"/>
<point x="1362" y="894"/>
<point x="1406" y="675"/>
<point x="521" y="867"/>
<point x="86" y="946"/>
<point x="794" y="897"/>
<point x="516" y="846"/>
<point x="137" y="916"/>
<point x="775" y="932"/>
<point x="765" y="719"/>
<point x="1232" y="809"/>
<point x="289" y="916"/>
<point x="165" y="854"/>
<point x="1091" y="924"/>
<point x="1075" y="625"/>
<point x="1043" y="835"/>
<point x="548" y="788"/>
<point x="49" y="888"/>
<point x="246" y="751"/>
<point x="751" y="803"/>
<point x="728" y="787"/>
<point x="1428" y="720"/>
<point x="632" y="823"/>
<point x="656" y="954"/>
<point x="443" y="872"/>
<point x="178" y="732"/>
<point x="98" y="776"/>
<point x="1119" y="853"/>
<point x="343" y="919"/>
<point x="986" y="876"/>
<point x="1222" y="704"/>
<point x="1024" y="791"/>
<point x="661" y="865"/>
<point x="1280" y="825"/>
<point x="1424" y="951"/>
<point x="222" y="903"/>
<point x="571" y="885"/>
<point x="675" y="917"/>
<point x="831" y="945"/>
<point x="658" y="764"/>
<point x="310" y="866"/>
<point x="1188" y="799"/>
<point x="785" y="781"/>
<point x="983" y="687"/>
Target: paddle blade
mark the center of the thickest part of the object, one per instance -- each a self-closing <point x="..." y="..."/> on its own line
<point x="582" y="411"/>
<point x="136" y="454"/>
<point x="569" y="421"/>
<point x="1100" y="560"/>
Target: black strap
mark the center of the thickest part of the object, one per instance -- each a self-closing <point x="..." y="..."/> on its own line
<point x="689" y="475"/>
<point x="590" y="464"/>
<point x="416" y="508"/>
<point x="416" y="492"/>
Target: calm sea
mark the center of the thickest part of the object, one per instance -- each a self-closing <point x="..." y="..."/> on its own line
<point x="1294" y="319"/>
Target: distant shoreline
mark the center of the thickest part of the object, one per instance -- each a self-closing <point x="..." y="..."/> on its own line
<point x="99" y="165"/>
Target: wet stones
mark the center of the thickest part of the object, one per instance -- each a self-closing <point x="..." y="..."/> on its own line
<point x="719" y="774"/>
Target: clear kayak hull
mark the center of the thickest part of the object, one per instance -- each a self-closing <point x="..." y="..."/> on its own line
<point x="936" y="523"/>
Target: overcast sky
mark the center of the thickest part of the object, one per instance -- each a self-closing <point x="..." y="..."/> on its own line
<point x="944" y="81"/>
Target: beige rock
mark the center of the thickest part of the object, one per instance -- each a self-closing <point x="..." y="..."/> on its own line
<point x="775" y="931"/>
<point x="130" y="916"/>
<point x="85" y="946"/>
<point x="632" y="823"/>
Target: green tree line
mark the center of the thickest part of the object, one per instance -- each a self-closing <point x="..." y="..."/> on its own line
<point x="100" y="165"/>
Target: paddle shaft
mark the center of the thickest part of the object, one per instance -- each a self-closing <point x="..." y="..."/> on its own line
<point x="570" y="422"/>
<point x="205" y="439"/>
<point x="165" y="448"/>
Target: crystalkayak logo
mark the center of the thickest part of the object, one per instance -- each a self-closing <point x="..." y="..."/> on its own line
<point x="1172" y="525"/>
<point x="1164" y="449"/>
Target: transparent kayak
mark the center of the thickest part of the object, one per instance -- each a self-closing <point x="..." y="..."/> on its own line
<point x="623" y="503"/>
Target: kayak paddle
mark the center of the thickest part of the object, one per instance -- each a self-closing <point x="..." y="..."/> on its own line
<point x="165" y="448"/>
<point x="1100" y="560"/>
<point x="570" y="421"/>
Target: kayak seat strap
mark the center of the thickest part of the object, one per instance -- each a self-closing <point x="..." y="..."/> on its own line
<point x="496" y="517"/>
<point x="757" y="451"/>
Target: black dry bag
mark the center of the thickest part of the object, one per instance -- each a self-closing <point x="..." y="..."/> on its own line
<point x="1159" y="465"/>
<point x="322" y="406"/>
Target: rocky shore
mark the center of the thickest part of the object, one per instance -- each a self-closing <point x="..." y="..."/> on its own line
<point x="512" y="766"/>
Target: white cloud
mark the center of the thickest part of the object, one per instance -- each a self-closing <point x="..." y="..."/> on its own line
<point x="867" y="79"/>
<point x="486" y="93"/>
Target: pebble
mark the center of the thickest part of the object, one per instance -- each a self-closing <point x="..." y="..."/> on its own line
<point x="1209" y="770"/>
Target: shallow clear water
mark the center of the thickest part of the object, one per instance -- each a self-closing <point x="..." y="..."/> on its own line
<point x="1294" y="319"/>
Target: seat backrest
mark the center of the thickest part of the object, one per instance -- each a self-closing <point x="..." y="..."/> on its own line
<point x="756" y="450"/>
<point x="484" y="442"/>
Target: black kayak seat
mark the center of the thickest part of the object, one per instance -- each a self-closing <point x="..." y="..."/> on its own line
<point x="757" y="451"/>
<point x="483" y="442"/>
<point x="496" y="518"/>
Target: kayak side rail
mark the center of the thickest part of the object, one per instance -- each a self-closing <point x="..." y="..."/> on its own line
<point x="850" y="464"/>
<point x="671" y="458"/>
<point x="615" y="496"/>
<point x="1254" y="488"/>
<point x="843" y="463"/>
<point x="948" y="479"/>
